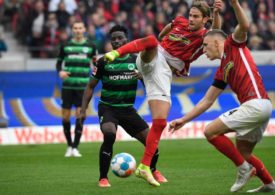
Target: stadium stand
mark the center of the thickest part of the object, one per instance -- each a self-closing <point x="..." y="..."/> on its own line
<point x="42" y="25"/>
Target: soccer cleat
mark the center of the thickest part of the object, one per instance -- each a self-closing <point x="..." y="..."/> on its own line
<point x="265" y="188"/>
<point x="68" y="152"/>
<point x="159" y="177"/>
<point x="75" y="153"/>
<point x="243" y="176"/>
<point x="104" y="183"/>
<point x="111" y="56"/>
<point x="144" y="172"/>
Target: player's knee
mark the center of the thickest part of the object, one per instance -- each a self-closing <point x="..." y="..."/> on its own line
<point x="152" y="40"/>
<point x="159" y="124"/>
<point x="208" y="133"/>
<point x="109" y="137"/>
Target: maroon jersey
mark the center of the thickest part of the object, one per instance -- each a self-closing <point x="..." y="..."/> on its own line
<point x="183" y="43"/>
<point x="239" y="70"/>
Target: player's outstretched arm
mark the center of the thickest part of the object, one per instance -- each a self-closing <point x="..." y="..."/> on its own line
<point x="240" y="32"/>
<point x="216" y="15"/>
<point x="205" y="103"/>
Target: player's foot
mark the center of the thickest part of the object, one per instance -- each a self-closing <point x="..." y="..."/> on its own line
<point x="159" y="177"/>
<point x="111" y="56"/>
<point x="144" y="172"/>
<point x="75" y="153"/>
<point x="69" y="152"/>
<point x="265" y="188"/>
<point x="243" y="176"/>
<point x="104" y="183"/>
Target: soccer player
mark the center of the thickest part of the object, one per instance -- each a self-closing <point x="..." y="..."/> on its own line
<point x="116" y="104"/>
<point x="77" y="53"/>
<point x="181" y="44"/>
<point x="249" y="120"/>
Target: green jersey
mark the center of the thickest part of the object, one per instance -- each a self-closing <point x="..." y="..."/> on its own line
<point x="77" y="58"/>
<point x="118" y="85"/>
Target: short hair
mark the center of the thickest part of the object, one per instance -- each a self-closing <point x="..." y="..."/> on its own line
<point x="203" y="7"/>
<point x="78" y="21"/>
<point x="213" y="32"/>
<point x="120" y="28"/>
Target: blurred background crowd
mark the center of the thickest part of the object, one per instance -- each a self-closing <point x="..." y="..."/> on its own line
<point x="42" y="25"/>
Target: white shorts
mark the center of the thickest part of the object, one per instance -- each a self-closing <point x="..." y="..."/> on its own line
<point x="249" y="120"/>
<point x="157" y="77"/>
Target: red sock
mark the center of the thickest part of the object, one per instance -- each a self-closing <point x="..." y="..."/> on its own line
<point x="153" y="140"/>
<point x="261" y="171"/>
<point x="225" y="146"/>
<point x="138" y="45"/>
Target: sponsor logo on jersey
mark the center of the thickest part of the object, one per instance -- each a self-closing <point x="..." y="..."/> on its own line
<point x="131" y="66"/>
<point x="120" y="77"/>
<point x="180" y="38"/>
<point x="77" y="56"/>
<point x="227" y="69"/>
<point x="85" y="49"/>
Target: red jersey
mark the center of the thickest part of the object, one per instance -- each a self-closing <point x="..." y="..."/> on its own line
<point x="183" y="43"/>
<point x="239" y="70"/>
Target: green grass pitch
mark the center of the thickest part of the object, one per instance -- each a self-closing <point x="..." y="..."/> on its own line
<point x="191" y="166"/>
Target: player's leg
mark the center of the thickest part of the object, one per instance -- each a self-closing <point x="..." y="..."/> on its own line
<point x="66" y="114"/>
<point x="108" y="126"/>
<point x="135" y="126"/>
<point x="78" y="94"/>
<point x="214" y="133"/>
<point x="159" y="110"/>
<point x="246" y="148"/>
<point x="106" y="152"/>
<point x="141" y="136"/>
<point x="148" y="45"/>
<point x="157" y="77"/>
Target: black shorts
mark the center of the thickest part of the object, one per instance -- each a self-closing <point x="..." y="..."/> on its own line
<point x="126" y="117"/>
<point x="71" y="97"/>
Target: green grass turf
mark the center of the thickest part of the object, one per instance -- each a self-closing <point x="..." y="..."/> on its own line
<point x="191" y="166"/>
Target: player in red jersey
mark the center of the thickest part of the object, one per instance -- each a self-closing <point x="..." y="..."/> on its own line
<point x="181" y="44"/>
<point x="249" y="120"/>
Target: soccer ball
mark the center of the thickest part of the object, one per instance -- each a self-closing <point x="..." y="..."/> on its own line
<point x="123" y="164"/>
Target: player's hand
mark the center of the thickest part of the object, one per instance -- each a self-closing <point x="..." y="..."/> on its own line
<point x="218" y="4"/>
<point x="82" y="116"/>
<point x="63" y="74"/>
<point x="176" y="125"/>
<point x="136" y="74"/>
<point x="233" y="2"/>
<point x="111" y="56"/>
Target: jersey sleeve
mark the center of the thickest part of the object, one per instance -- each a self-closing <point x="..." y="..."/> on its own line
<point x="61" y="53"/>
<point x="179" y="19"/>
<point x="219" y="74"/>
<point x="231" y="41"/>
<point x="98" y="69"/>
<point x="219" y="84"/>
<point x="60" y="58"/>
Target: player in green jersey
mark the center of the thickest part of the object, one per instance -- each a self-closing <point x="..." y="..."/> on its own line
<point x="77" y="55"/>
<point x="115" y="106"/>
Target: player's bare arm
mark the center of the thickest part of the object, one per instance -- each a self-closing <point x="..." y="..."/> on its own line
<point x="165" y="31"/>
<point x="87" y="96"/>
<point x="217" y="7"/>
<point x="205" y="103"/>
<point x="240" y="32"/>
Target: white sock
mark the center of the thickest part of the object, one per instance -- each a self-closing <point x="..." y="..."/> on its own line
<point x="245" y="165"/>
